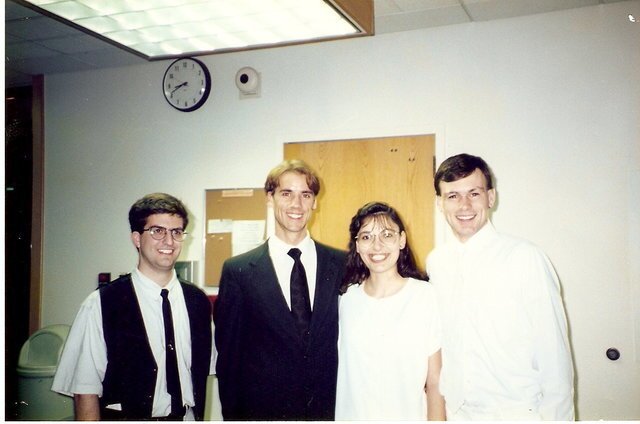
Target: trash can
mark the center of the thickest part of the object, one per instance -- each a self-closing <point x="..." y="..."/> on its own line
<point x="37" y="366"/>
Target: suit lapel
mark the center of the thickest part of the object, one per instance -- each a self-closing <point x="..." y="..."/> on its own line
<point x="267" y="288"/>
<point x="325" y="286"/>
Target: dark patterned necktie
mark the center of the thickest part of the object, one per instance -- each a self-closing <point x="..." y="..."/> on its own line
<point x="173" y="378"/>
<point x="300" y="303"/>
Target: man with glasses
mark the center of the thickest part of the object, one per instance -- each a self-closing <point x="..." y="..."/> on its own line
<point x="505" y="349"/>
<point x="276" y="314"/>
<point x="141" y="347"/>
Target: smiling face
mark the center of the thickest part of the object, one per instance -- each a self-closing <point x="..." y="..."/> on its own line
<point x="465" y="204"/>
<point x="292" y="202"/>
<point x="378" y="256"/>
<point x="158" y="257"/>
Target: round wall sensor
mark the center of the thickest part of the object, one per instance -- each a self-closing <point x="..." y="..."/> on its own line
<point x="247" y="79"/>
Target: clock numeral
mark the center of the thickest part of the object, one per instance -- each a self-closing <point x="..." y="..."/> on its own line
<point x="176" y="68"/>
<point x="170" y="76"/>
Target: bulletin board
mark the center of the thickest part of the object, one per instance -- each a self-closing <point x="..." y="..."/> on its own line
<point x="224" y="208"/>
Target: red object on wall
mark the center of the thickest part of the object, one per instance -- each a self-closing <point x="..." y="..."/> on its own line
<point x="212" y="299"/>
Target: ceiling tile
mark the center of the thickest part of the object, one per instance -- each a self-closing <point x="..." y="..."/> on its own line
<point x="15" y="11"/>
<point x="418" y="5"/>
<point x="8" y="39"/>
<point x="38" y="28"/>
<point x="385" y="7"/>
<point x="75" y="44"/>
<point x="423" y="19"/>
<point x="27" y="49"/>
<point x="44" y="65"/>
<point x="484" y="10"/>
<point x="109" y="57"/>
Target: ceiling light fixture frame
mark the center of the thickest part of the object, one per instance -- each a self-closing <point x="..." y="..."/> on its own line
<point x="358" y="13"/>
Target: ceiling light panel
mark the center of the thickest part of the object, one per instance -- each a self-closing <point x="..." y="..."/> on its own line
<point x="167" y="28"/>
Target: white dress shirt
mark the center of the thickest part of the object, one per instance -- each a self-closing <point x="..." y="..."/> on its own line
<point x="505" y="349"/>
<point x="83" y="363"/>
<point x="283" y="264"/>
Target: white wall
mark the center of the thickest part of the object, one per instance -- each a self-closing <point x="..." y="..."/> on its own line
<point x="551" y="101"/>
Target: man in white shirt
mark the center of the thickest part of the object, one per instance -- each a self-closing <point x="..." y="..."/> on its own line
<point x="118" y="362"/>
<point x="505" y="349"/>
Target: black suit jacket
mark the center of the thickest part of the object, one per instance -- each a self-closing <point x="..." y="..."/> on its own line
<point x="265" y="371"/>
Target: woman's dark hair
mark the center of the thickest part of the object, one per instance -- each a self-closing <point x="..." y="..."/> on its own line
<point x="155" y="203"/>
<point x="356" y="271"/>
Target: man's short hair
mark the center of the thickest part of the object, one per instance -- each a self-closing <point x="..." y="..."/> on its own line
<point x="461" y="166"/>
<point x="293" y="165"/>
<point x="152" y="204"/>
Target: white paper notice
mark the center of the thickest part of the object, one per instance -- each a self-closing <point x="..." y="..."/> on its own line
<point x="219" y="226"/>
<point x="246" y="235"/>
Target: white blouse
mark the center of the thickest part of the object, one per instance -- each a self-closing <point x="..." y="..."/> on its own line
<point x="384" y="348"/>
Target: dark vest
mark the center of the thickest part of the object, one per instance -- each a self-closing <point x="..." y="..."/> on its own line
<point x="130" y="377"/>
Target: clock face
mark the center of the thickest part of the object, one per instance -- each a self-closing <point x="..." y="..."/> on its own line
<point x="186" y="84"/>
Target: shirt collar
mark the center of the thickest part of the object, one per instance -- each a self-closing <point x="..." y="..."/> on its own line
<point x="479" y="239"/>
<point x="277" y="245"/>
<point x="150" y="287"/>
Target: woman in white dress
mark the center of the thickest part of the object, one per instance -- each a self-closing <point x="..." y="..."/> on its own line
<point x="389" y="344"/>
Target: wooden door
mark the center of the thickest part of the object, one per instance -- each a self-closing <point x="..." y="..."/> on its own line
<point x="395" y="170"/>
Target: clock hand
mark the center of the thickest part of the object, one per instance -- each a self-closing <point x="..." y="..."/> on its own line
<point x="186" y="83"/>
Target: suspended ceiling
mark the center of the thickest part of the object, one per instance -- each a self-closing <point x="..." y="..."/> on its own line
<point x="36" y="44"/>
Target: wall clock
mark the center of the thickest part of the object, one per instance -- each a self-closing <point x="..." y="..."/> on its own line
<point x="186" y="84"/>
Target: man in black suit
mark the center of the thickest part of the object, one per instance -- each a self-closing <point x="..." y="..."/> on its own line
<point x="276" y="331"/>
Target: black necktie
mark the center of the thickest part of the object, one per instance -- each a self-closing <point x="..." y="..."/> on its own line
<point x="173" y="378"/>
<point x="300" y="304"/>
